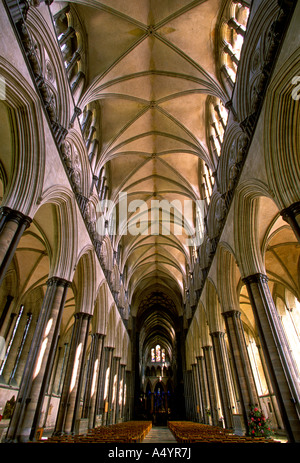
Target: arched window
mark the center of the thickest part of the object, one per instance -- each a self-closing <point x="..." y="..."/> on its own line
<point x="233" y="34"/>
<point x="289" y="313"/>
<point x="158" y="354"/>
<point x="153" y="355"/>
<point x="71" y="42"/>
<point x="208" y="183"/>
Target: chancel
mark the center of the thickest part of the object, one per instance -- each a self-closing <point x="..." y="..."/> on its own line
<point x="149" y="221"/>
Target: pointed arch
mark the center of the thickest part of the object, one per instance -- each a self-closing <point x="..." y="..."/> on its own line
<point x="24" y="185"/>
<point x="64" y="254"/>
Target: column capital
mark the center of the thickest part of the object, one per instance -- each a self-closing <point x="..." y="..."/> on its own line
<point x="217" y="334"/>
<point x="290" y="215"/>
<point x="57" y="281"/>
<point x="108" y="348"/>
<point x="256" y="278"/>
<point x="207" y="348"/>
<point x="292" y="210"/>
<point x="15" y="216"/>
<point x="232" y="314"/>
<point x="98" y="335"/>
<point x="83" y="315"/>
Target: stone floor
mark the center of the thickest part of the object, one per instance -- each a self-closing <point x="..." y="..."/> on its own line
<point x="159" y="435"/>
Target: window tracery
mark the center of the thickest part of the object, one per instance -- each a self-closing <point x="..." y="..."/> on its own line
<point x="158" y="354"/>
<point x="233" y="34"/>
<point x="70" y="39"/>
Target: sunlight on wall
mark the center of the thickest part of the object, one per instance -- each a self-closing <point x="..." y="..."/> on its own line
<point x="43" y="348"/>
<point x="76" y="364"/>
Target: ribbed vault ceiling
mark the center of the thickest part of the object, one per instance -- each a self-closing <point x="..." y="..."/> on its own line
<point x="151" y="66"/>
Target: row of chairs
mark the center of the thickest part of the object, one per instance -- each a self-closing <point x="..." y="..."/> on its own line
<point x="190" y="432"/>
<point x="129" y="432"/>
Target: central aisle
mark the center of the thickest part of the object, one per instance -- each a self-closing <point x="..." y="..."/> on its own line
<point x="159" y="435"/>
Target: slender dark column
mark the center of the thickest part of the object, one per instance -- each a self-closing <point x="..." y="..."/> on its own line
<point x="204" y="387"/>
<point x="208" y="356"/>
<point x="115" y="389"/>
<point x="275" y="347"/>
<point x="107" y="383"/>
<point x="67" y="412"/>
<point x="92" y="376"/>
<point x="243" y="372"/>
<point x="12" y="226"/>
<point x="84" y="337"/>
<point x="39" y="363"/>
<point x="221" y="361"/>
<point x="292" y="216"/>
<point x="5" y="310"/>
<point x="121" y="392"/>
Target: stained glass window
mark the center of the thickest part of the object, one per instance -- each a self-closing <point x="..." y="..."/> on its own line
<point x="158" y="353"/>
<point x="153" y="355"/>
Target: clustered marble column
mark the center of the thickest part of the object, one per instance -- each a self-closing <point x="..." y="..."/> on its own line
<point x="204" y="388"/>
<point x="12" y="226"/>
<point x="107" y="383"/>
<point x="221" y="361"/>
<point x="212" y="391"/>
<point x="242" y="368"/>
<point x="92" y="380"/>
<point x="197" y="391"/>
<point x="276" y="352"/>
<point x="39" y="363"/>
<point x="69" y="409"/>
<point x="291" y="215"/>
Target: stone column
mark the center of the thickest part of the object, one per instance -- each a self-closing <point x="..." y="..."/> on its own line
<point x="79" y="78"/>
<point x="90" y="375"/>
<point x="243" y="372"/>
<point x="273" y="400"/>
<point x="19" y="345"/>
<point x="224" y="381"/>
<point x="98" y="340"/>
<point x="7" y="363"/>
<point x="112" y="383"/>
<point x="39" y="363"/>
<point x="197" y="392"/>
<point x="12" y="226"/>
<point x="128" y="396"/>
<point x="70" y="397"/>
<point x="77" y="408"/>
<point x="292" y="216"/>
<point x="120" y="398"/>
<point x="190" y="394"/>
<point x="239" y="29"/>
<point x="208" y="356"/>
<point x="193" y="394"/>
<point x="121" y="392"/>
<point x="4" y="314"/>
<point x="107" y="381"/>
<point x="74" y="60"/>
<point x="99" y="406"/>
<point x="276" y="351"/>
<point x="67" y="35"/>
<point x="20" y="367"/>
<point x="50" y="389"/>
<point x="115" y="390"/>
<point x="187" y="395"/>
<point x="203" y="387"/>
